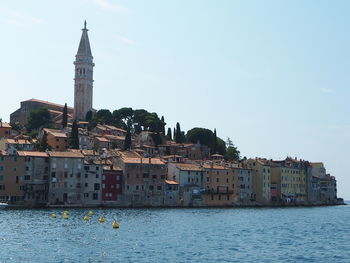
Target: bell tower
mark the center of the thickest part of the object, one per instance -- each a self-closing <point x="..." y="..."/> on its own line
<point x="83" y="80"/>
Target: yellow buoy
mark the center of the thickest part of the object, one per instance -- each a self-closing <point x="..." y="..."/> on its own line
<point x="91" y="213"/>
<point x="101" y="219"/>
<point x="53" y="215"/>
<point x="115" y="224"/>
<point x="66" y="212"/>
<point x="86" y="218"/>
<point x="65" y="216"/>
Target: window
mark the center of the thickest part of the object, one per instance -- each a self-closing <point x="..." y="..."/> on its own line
<point x="27" y="168"/>
<point x="86" y="184"/>
<point x="27" y="177"/>
<point x="154" y="176"/>
<point x="1" y="177"/>
<point x="53" y="174"/>
<point x="2" y="187"/>
<point x="86" y="195"/>
<point x="1" y="168"/>
<point x="207" y="179"/>
<point x="217" y="180"/>
<point x="78" y="175"/>
<point x="97" y="175"/>
<point x="78" y="185"/>
<point x="151" y="187"/>
<point x="86" y="175"/>
<point x="159" y="187"/>
<point x="65" y="174"/>
<point x="118" y="185"/>
<point x="95" y="196"/>
<point x="97" y="186"/>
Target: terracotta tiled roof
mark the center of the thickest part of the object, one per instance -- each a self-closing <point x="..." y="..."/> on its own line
<point x="215" y="166"/>
<point x="4" y="125"/>
<point x="18" y="141"/>
<point x="142" y="160"/>
<point x="66" y="154"/>
<point x="189" y="167"/>
<point x="170" y="182"/>
<point x="102" y="139"/>
<point x="49" y="103"/>
<point x="32" y="154"/>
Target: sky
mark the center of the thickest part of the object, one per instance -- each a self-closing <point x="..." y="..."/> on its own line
<point x="273" y="76"/>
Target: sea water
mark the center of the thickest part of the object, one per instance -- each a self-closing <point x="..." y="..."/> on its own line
<point x="302" y="234"/>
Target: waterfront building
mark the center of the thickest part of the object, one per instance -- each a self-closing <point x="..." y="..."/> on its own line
<point x="261" y="179"/>
<point x="171" y="195"/>
<point x="83" y="80"/>
<point x="189" y="176"/>
<point x="289" y="175"/>
<point x="218" y="182"/>
<point x="112" y="185"/>
<point x="11" y="178"/>
<point x="144" y="180"/>
<point x="65" y="181"/>
<point x="91" y="182"/>
<point x="244" y="191"/>
<point x="103" y="129"/>
<point x="35" y="177"/>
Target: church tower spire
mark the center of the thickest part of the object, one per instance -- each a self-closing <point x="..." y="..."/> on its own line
<point x="83" y="77"/>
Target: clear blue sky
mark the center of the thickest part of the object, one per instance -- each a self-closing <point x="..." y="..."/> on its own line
<point x="274" y="76"/>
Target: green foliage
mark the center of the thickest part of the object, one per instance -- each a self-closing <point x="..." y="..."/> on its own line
<point x="104" y="116"/>
<point x="40" y="118"/>
<point x="127" y="142"/>
<point x="88" y="116"/>
<point x="74" y="136"/>
<point x="168" y="135"/>
<point x="16" y="126"/>
<point x="204" y="136"/>
<point x="208" y="138"/>
<point x="232" y="152"/>
<point x="215" y="147"/>
<point x="179" y="136"/>
<point x="221" y="146"/>
<point x="162" y="125"/>
<point x="65" y="116"/>
<point x="42" y="145"/>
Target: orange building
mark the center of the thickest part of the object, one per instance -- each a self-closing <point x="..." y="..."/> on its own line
<point x="5" y="130"/>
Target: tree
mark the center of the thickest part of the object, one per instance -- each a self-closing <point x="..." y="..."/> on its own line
<point x="179" y="135"/>
<point x="168" y="135"/>
<point x="42" y="144"/>
<point x="40" y="118"/>
<point x="162" y="125"/>
<point x="232" y="152"/>
<point x="215" y="142"/>
<point x="127" y="142"/>
<point x="74" y="136"/>
<point x="104" y="116"/>
<point x="88" y="116"/>
<point x="204" y="136"/>
<point x="65" y="116"/>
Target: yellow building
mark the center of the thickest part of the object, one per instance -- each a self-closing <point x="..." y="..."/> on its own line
<point x="290" y="177"/>
<point x="261" y="179"/>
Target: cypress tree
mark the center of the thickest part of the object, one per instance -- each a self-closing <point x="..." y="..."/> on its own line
<point x="74" y="136"/>
<point x="174" y="133"/>
<point x="169" y="134"/>
<point x="88" y="116"/>
<point x="127" y="142"/>
<point x="178" y="134"/>
<point x="65" y="116"/>
<point x="215" y="145"/>
<point x="162" y="123"/>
